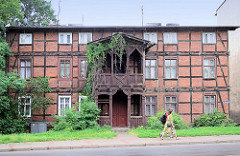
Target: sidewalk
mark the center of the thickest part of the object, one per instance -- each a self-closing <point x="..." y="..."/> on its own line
<point x="122" y="140"/>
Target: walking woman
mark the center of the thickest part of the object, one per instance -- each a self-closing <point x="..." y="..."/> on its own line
<point x="169" y="127"/>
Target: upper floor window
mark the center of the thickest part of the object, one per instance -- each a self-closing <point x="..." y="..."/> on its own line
<point x="209" y="68"/>
<point x="83" y="70"/>
<point x="209" y="38"/>
<point x="151" y="104"/>
<point x="170" y="38"/>
<point x="65" y="67"/>
<point x="25" y="106"/>
<point x="25" y="38"/>
<point x="150" y="69"/>
<point x="209" y="104"/>
<point x="65" y="38"/>
<point x="25" y="69"/>
<point x="170" y="69"/>
<point x="64" y="103"/>
<point x="85" y="38"/>
<point x="151" y="37"/>
<point x="171" y="102"/>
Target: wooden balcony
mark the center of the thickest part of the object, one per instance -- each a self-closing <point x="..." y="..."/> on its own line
<point x="120" y="79"/>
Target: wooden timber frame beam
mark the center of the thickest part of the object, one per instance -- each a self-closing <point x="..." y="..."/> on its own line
<point x="190" y="68"/>
<point x="220" y="97"/>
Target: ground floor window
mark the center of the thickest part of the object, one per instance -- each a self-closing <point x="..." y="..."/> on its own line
<point x="81" y="98"/>
<point x="64" y="103"/>
<point x="151" y="104"/>
<point x="171" y="102"/>
<point x="25" y="106"/>
<point x="209" y="103"/>
<point x="103" y="104"/>
<point x="135" y="105"/>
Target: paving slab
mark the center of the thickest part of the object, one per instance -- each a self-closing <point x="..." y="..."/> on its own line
<point x="122" y="140"/>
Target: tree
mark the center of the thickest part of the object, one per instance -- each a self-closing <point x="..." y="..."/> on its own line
<point x="10" y="12"/>
<point x="37" y="12"/>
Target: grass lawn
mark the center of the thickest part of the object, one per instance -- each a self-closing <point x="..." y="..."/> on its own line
<point x="202" y="131"/>
<point x="58" y="135"/>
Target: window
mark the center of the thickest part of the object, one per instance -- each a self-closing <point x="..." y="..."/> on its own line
<point x="25" y="106"/>
<point x="170" y="38"/>
<point x="65" y="68"/>
<point x="64" y="102"/>
<point x="103" y="104"/>
<point x="209" y="104"/>
<point x="171" y="102"/>
<point x="83" y="70"/>
<point x="151" y="37"/>
<point x="151" y="103"/>
<point x="150" y="69"/>
<point x="65" y="38"/>
<point x="209" y="38"/>
<point x="209" y="68"/>
<point x="80" y="101"/>
<point x="84" y="38"/>
<point x="25" y="39"/>
<point x="170" y="69"/>
<point x="135" y="105"/>
<point x="25" y="69"/>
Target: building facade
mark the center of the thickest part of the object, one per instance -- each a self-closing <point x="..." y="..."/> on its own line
<point x="182" y="67"/>
<point x="228" y="14"/>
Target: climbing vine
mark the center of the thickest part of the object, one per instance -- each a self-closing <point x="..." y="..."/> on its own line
<point x="96" y="57"/>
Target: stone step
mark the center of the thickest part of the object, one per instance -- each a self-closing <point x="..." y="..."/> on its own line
<point x="120" y="129"/>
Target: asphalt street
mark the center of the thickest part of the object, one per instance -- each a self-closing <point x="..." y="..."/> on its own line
<point x="220" y="149"/>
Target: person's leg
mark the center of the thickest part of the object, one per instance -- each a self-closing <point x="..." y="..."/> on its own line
<point x="162" y="135"/>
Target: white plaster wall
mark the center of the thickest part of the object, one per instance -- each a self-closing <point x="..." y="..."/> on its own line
<point x="229" y="15"/>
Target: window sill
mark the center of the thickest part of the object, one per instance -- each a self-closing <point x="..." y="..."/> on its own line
<point x="170" y="43"/>
<point x="149" y="79"/>
<point x="170" y="79"/>
<point x="65" y="43"/>
<point x="104" y="116"/>
<point x="25" y="44"/>
<point x="209" y="78"/>
<point x="209" y="43"/>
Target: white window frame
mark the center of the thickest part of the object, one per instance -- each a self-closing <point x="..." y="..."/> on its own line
<point x="206" y="38"/>
<point x="210" y="103"/>
<point x="70" y="102"/>
<point x="24" y="111"/>
<point x="171" y="102"/>
<point x="170" y="38"/>
<point x="80" y="101"/>
<point x="65" y="34"/>
<point x="85" y="39"/>
<point x="208" y="76"/>
<point x="171" y="67"/>
<point x="24" y="35"/>
<point x="150" y="67"/>
<point x="151" y="36"/>
<point x="151" y="106"/>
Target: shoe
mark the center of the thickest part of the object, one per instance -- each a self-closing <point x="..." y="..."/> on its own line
<point x="171" y="137"/>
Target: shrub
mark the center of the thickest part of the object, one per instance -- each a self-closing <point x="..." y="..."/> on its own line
<point x="155" y="123"/>
<point x="213" y="119"/>
<point x="76" y="120"/>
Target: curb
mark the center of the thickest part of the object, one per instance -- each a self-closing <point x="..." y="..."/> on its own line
<point x="114" y="145"/>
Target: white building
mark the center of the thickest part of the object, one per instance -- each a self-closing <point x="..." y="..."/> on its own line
<point x="227" y="14"/>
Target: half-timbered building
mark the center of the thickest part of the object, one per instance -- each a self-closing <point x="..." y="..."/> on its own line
<point x="183" y="67"/>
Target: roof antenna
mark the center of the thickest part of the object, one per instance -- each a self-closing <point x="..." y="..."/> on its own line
<point x="59" y="10"/>
<point x="142" y="15"/>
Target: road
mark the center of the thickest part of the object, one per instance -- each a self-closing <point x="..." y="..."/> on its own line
<point x="225" y="149"/>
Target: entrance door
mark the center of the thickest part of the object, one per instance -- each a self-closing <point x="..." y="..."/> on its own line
<point x="119" y="112"/>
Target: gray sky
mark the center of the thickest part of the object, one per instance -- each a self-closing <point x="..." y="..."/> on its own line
<point x="128" y="12"/>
